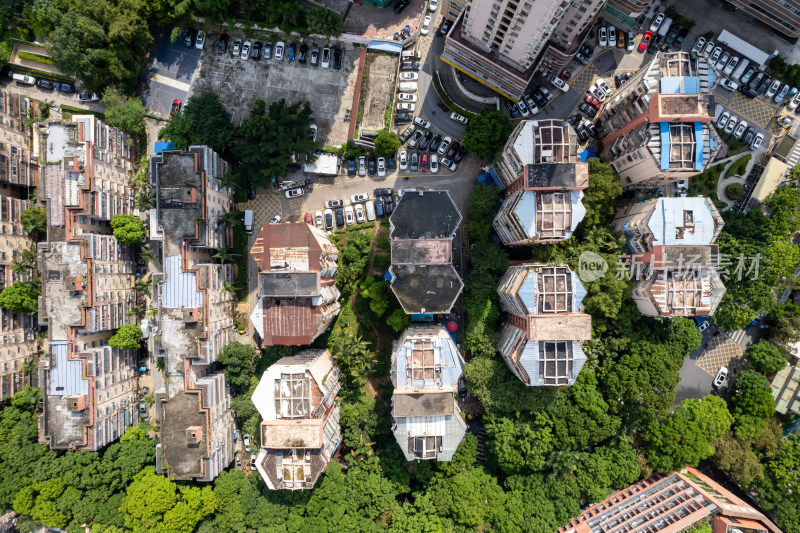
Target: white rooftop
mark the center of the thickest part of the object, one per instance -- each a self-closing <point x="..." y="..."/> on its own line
<point x="687" y="221"/>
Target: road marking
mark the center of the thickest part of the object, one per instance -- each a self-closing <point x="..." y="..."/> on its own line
<point x="175" y="84"/>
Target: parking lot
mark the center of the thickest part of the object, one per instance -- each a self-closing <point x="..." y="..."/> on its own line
<point x="169" y="73"/>
<point x="240" y="82"/>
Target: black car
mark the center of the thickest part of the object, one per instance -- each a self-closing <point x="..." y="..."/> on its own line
<point x="653" y="46"/>
<point x="445" y="27"/>
<point x="574" y="118"/>
<point x="65" y="88"/>
<point x="383" y="192"/>
<point x="255" y="53"/>
<point x="46" y="84"/>
<point x="764" y="85"/>
<point x="462" y="389"/>
<point x="251" y="191"/>
<point x="407" y="133"/>
<point x="222" y="47"/>
<point x="462" y="151"/>
<point x="512" y="108"/>
<point x="619" y="80"/>
<point x="454" y="147"/>
<point x="409" y="65"/>
<point x="583" y="135"/>
<point x="426" y="140"/>
<point x="188" y="39"/>
<point x="328" y="220"/>
<point x="337" y="58"/>
<point x="387" y="207"/>
<point x="400" y="6"/>
<point x="351" y="165"/>
<point x="672" y="35"/>
<point x="302" y="55"/>
<point x="585" y="50"/>
<point x="310" y="183"/>
<point x="403" y="118"/>
<point x="393" y="162"/>
<point x="748" y="135"/>
<point x="372" y="165"/>
<point x="590" y="128"/>
<point x="538" y="95"/>
<point x="435" y="143"/>
<point x="589" y="110"/>
<point x="339" y="216"/>
<point x="748" y="91"/>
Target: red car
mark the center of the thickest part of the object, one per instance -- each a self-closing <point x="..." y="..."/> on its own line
<point x="176" y="107"/>
<point x="648" y="36"/>
<point x="565" y="75"/>
<point x="309" y="219"/>
<point x="423" y="166"/>
<point x="592" y="101"/>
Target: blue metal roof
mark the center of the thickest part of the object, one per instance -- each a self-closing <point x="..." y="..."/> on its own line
<point x="65" y="377"/>
<point x="698" y="146"/>
<point x="179" y="288"/>
<point x="670" y="85"/>
<point x="495" y="178"/>
<point x="385" y="46"/>
<point x="587" y="154"/>
<point x="160" y="146"/>
<point x="664" y="145"/>
<point x="691" y="84"/>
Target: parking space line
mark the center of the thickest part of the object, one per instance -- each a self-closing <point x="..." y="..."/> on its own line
<point x="175" y="84"/>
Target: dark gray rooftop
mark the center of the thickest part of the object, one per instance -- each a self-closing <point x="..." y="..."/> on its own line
<point x="553" y="175"/>
<point x="287" y="284"/>
<point x="423" y="404"/>
<point x="426" y="289"/>
<point x="425" y="215"/>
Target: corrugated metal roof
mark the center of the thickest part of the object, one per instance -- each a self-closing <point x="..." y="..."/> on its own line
<point x="65" y="377"/>
<point x="524" y="144"/>
<point x="526" y="212"/>
<point x="698" y="146"/>
<point x="446" y="356"/>
<point x="756" y="55"/>
<point x="179" y="288"/>
<point x="528" y="292"/>
<point x="578" y="292"/>
<point x="578" y="210"/>
<point x="665" y="148"/>
<point x="686" y="221"/>
<point x="257" y="317"/>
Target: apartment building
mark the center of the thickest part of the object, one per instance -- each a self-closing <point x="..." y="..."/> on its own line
<point x="544" y="324"/>
<point x="300" y="431"/>
<point x="18" y="160"/>
<point x="297" y="295"/>
<point x="674" y="261"/>
<point x="669" y="503"/>
<point x="656" y="129"/>
<point x="568" y="36"/>
<point x="426" y="420"/>
<point x="782" y="15"/>
<point x="421" y="232"/>
<point x="88" y="278"/>
<point x="543" y="180"/>
<point x="194" y="319"/>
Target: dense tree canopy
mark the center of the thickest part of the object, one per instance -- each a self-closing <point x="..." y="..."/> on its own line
<point x="487" y="133"/>
<point x="386" y="142"/>
<point x="600" y="197"/>
<point x="34" y="220"/>
<point x="127" y="337"/>
<point x="20" y="297"/>
<point x="203" y="121"/>
<point x="240" y="363"/>
<point x="128" y="229"/>
<point x="124" y="113"/>
<point x="324" y="21"/>
<point x="765" y="357"/>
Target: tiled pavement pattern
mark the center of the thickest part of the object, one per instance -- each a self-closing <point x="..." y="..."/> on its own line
<point x="264" y="207"/>
<point x="719" y="352"/>
<point x="754" y="110"/>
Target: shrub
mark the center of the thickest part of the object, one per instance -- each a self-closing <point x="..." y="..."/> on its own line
<point x="126" y="338"/>
<point x="34" y="57"/>
<point x="735" y="191"/>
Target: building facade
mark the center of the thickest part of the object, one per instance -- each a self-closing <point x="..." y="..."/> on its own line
<point x="300" y="431"/>
<point x="426" y="420"/>
<point x="782" y="15"/>
<point x="544" y="324"/>
<point x="564" y="43"/>
<point x="194" y="318"/>
<point x="543" y="180"/>
<point x="669" y="503"/>
<point x="421" y="232"/>
<point x="630" y="8"/>
<point x="297" y="296"/>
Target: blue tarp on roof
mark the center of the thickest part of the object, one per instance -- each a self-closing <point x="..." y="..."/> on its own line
<point x="587" y="154"/>
<point x="486" y="179"/>
<point x="160" y="146"/>
<point x="691" y="84"/>
<point x="698" y="146"/>
<point x="384" y="46"/>
<point x="388" y="276"/>
<point x="665" y="145"/>
<point x="680" y="84"/>
<point x="495" y="178"/>
<point x="422" y="317"/>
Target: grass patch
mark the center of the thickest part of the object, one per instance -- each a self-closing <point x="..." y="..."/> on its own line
<point x="41" y="74"/>
<point x="705" y="184"/>
<point x="67" y="111"/>
<point x="738" y="168"/>
<point x="446" y="99"/>
<point x="735" y="146"/>
<point x="34" y="57"/>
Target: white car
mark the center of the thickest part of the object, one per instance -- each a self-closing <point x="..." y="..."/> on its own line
<point x="381" y="167"/>
<point x="740" y="129"/>
<point x="246" y="50"/>
<point x="459" y="118"/>
<point x="773" y="89"/>
<point x="523" y="108"/>
<point x="730" y="66"/>
<point x="723" y="60"/>
<point x="200" y="41"/>
<point x="602" y="36"/>
<point x="247" y="442"/>
<point x="409" y="76"/>
<point x="405" y="107"/>
<point x="559" y="83"/>
<point x="709" y="48"/>
<point x="612" y="36"/>
<point x="603" y="86"/>
<point x="275" y="219"/>
<point x="715" y="54"/>
<point x="359" y="213"/>
<point x="719" y="379"/>
<point x="699" y="45"/>
<point x="794" y="102"/>
<point x="629" y="44"/>
<point x="318" y="220"/>
<point x="359" y="197"/>
<point x="723" y="120"/>
<point x="532" y="107"/>
<point x="434" y="164"/>
<point x="682" y="185"/>
<point x="432" y="5"/>
<point x="291" y="193"/>
<point x="279" y="48"/>
<point x="595" y="91"/>
<point x="422" y="123"/>
<point x="407" y="97"/>
<point x="728" y="84"/>
<point x="237" y="47"/>
<point x="403" y="160"/>
<point x="756" y="144"/>
<point x="426" y="25"/>
<point x="731" y="124"/>
<point x="445" y="145"/>
<point x="326" y="58"/>
<point x="349" y="218"/>
<point x="448" y="164"/>
<point x="657" y="22"/>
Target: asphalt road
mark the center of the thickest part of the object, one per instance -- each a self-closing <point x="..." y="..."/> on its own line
<point x="170" y="68"/>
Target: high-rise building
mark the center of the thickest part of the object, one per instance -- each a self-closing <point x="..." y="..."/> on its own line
<point x="670" y="503"/>
<point x="421" y="232"/>
<point x="194" y="313"/>
<point x="300" y="431"/>
<point x="568" y="36"/>
<point x="630" y="8"/>
<point x="783" y="15"/>
<point x="656" y="127"/>
<point x="543" y="180"/>
<point x="426" y="420"/>
<point x="297" y="296"/>
<point x="544" y="324"/>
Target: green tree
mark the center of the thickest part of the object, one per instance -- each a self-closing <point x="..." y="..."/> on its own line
<point x="240" y="364"/>
<point x="127" y="337"/>
<point x="786" y="329"/>
<point x="387" y="142"/>
<point x="753" y="396"/>
<point x="472" y="498"/>
<point x="324" y="21"/>
<point x="398" y="320"/>
<point x="786" y="467"/>
<point x="732" y="315"/>
<point x="735" y="191"/>
<point x="487" y="133"/>
<point x="128" y="229"/>
<point x="20" y="297"/>
<point x="601" y="195"/>
<point x="483" y="205"/>
<point x="124" y="113"/>
<point x="609" y="467"/>
<point x="538" y="502"/>
<point x="737" y="459"/>
<point x="34" y="220"/>
<point x="688" y="435"/>
<point x="203" y="121"/>
<point x="519" y="446"/>
<point x="765" y="357"/>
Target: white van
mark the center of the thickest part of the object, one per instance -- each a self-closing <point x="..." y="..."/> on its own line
<point x="408" y="87"/>
<point x="248" y="221"/>
<point x="664" y="29"/>
<point x="740" y="70"/>
<point x="370" y="210"/>
<point x="24" y="78"/>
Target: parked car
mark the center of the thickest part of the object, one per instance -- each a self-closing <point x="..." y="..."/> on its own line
<point x="658" y="20"/>
<point x="61" y="87"/>
<point x="91" y="97"/>
<point x="372" y="167"/>
<point x="592" y="101"/>
<point x="176" y="107"/>
<point x="447" y="163"/>
<point x="280" y="48"/>
<point x="349" y="218"/>
<point x="245" y="54"/>
<point x="426" y="25"/>
<point x="328" y="219"/>
<point x="445" y="27"/>
<point x="385" y="191"/>
<point x="596" y="92"/>
<point x="362" y="166"/>
<point x="730" y="66"/>
<point x="339" y="214"/>
<point x="794" y="103"/>
<point x="381" y="167"/>
<point x="434" y="168"/>
<point x="315" y="57"/>
<point x="582" y="59"/>
<point x="756" y="144"/>
<point x="415" y="139"/>
<point x="728" y="84"/>
<point x="337" y="58"/>
<point x="422" y="123"/>
<point x="747" y="76"/>
<point x="407" y="133"/>
<point x="414" y="164"/>
<point x="361" y="197"/>
<point x="722" y="120"/>
<point x="773" y="89"/>
<point x="188" y="38"/>
<point x="602" y="36"/>
<point x="426" y="139"/>
<point x="406" y="107"/>
<point x="781" y="95"/>
<point x="403" y="160"/>
<point x="589" y="110"/>
<point x="359" y="213"/>
<point x="318" y="222"/>
<point x="719" y="379"/>
<point x="409" y="76"/>
<point x="222" y="46"/>
<point x="292" y="193"/>
<point x="459" y="118"/>
<point x="392" y="162"/>
<point x="612" y="36"/>
<point x="247" y="442"/>
<point x="444" y="146"/>
<point x="268" y="46"/>
<point x="559" y="83"/>
<point x="290" y="52"/>
<point x="672" y="35"/>
<point x="645" y="42"/>
<point x="423" y="165"/>
<point x="302" y="54"/>
<point x="403" y="118"/>
<point x="45" y="84"/>
<point x="334" y="203"/>
<point x="739" y="131"/>
<point x="379" y="206"/>
<point x="407" y="97"/>
<point x="731" y="125"/>
<point x="715" y="55"/>
<point x="748" y="135"/>
<point x="462" y="151"/>
<point x="400" y="6"/>
<point x="699" y="44"/>
<point x="709" y="47"/>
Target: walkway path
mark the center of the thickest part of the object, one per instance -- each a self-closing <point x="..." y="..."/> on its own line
<point x="724" y="181"/>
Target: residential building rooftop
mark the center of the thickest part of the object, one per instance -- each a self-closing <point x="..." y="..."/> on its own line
<point x="786" y="390"/>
